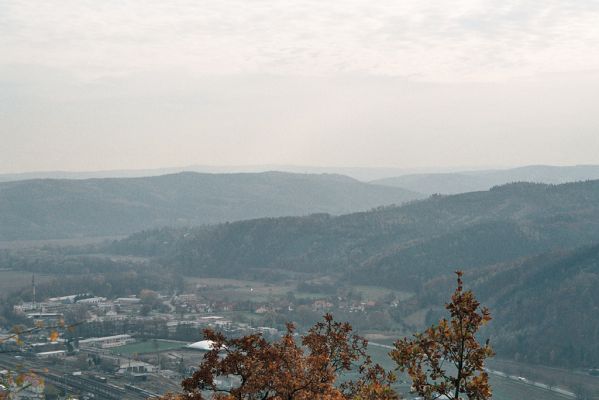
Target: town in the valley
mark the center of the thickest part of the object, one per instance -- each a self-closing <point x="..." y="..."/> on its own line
<point x="142" y="345"/>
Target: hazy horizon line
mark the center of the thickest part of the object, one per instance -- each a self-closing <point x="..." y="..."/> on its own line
<point x="274" y="167"/>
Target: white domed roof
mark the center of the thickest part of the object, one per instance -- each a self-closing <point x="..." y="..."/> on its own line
<point x="203" y="345"/>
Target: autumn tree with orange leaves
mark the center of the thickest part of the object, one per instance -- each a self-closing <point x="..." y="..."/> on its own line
<point x="444" y="362"/>
<point x="256" y="369"/>
<point x="447" y="361"/>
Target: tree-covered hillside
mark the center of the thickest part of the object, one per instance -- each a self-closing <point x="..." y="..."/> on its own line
<point x="393" y="246"/>
<point x="546" y="308"/>
<point x="60" y="208"/>
<point x="519" y="244"/>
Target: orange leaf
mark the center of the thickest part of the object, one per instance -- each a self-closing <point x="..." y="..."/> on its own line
<point x="54" y="336"/>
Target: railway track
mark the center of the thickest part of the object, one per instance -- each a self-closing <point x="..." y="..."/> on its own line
<point x="77" y="384"/>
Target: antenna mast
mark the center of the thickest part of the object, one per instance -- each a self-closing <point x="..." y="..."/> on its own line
<point x="33" y="288"/>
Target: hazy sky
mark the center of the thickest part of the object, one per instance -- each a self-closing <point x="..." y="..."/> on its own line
<point x="90" y="85"/>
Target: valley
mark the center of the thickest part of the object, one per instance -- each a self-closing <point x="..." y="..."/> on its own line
<point x="528" y="250"/>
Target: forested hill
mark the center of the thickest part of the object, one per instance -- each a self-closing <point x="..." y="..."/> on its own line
<point x="394" y="246"/>
<point x="519" y="245"/>
<point x="61" y="208"/>
<point x="546" y="307"/>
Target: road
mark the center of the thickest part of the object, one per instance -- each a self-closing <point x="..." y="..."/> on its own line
<point x="524" y="381"/>
<point x="516" y="379"/>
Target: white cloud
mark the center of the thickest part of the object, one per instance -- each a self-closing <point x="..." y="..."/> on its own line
<point x="89" y="84"/>
<point x="429" y="40"/>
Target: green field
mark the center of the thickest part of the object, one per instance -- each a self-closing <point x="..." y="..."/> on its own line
<point x="240" y="290"/>
<point x="376" y="293"/>
<point x="149" y="346"/>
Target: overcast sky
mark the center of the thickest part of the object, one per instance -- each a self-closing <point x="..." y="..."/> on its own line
<point x="113" y="84"/>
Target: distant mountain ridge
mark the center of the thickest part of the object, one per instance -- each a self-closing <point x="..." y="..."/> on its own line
<point x="60" y="208"/>
<point x="360" y="173"/>
<point x="470" y="181"/>
<point x="443" y="181"/>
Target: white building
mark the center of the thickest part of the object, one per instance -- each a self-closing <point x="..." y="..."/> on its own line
<point x="92" y="300"/>
<point x="51" y="354"/>
<point x="107" y="341"/>
<point x="63" y="299"/>
<point x="136" y="367"/>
